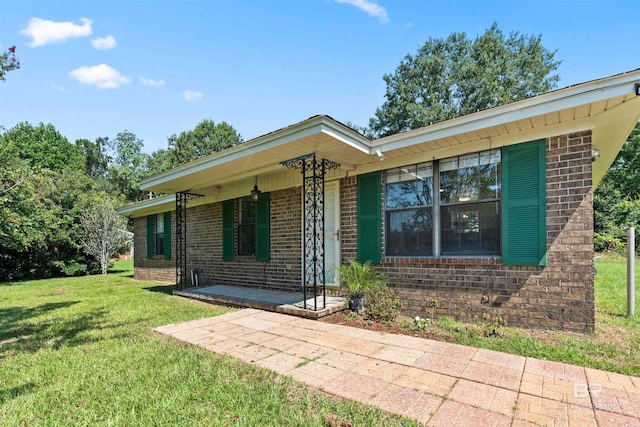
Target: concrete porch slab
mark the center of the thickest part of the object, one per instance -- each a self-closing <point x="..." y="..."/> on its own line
<point x="265" y="299"/>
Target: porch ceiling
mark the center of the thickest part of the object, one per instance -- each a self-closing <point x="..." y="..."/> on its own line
<point x="608" y="107"/>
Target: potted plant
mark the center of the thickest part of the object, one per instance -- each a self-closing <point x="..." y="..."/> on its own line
<point x="356" y="279"/>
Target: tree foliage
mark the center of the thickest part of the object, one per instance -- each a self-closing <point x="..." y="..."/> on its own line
<point x="116" y="165"/>
<point x="206" y="138"/>
<point x="456" y="76"/>
<point x="38" y="217"/>
<point x="43" y="146"/>
<point x="57" y="199"/>
<point x="158" y="161"/>
<point x="616" y="201"/>
<point x="43" y="186"/>
<point x="127" y="166"/>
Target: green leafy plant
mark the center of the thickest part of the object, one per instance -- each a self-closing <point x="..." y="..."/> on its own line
<point x="356" y="278"/>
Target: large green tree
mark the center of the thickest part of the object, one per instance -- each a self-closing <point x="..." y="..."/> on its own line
<point x="43" y="146"/>
<point x="127" y="165"/>
<point x="158" y="161"/>
<point x="206" y="138"/>
<point x="456" y="76"/>
<point x="39" y="209"/>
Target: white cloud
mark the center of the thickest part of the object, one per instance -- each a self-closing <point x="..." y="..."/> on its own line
<point x="150" y="82"/>
<point x="104" y="43"/>
<point x="369" y="7"/>
<point x="102" y="76"/>
<point x="192" y="95"/>
<point x="59" y="88"/>
<point x="44" y="32"/>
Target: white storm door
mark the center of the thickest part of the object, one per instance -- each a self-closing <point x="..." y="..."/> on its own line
<point x="331" y="232"/>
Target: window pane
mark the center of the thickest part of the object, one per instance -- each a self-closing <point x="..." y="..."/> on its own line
<point x="476" y="177"/>
<point x="409" y="186"/>
<point x="470" y="229"/>
<point x="247" y="239"/>
<point x="159" y="249"/>
<point x="247" y="212"/>
<point x="409" y="232"/>
<point x="160" y="223"/>
<point x="408" y="194"/>
<point x="247" y="227"/>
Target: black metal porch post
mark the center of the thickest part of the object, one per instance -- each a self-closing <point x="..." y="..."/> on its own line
<point x="313" y="261"/>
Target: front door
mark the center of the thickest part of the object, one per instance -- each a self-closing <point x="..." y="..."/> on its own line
<point x="331" y="232"/>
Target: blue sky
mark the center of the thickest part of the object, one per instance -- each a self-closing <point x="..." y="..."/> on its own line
<point x="155" y="68"/>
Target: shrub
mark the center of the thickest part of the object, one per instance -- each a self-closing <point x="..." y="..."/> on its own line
<point x="606" y="243"/>
<point x="382" y="304"/>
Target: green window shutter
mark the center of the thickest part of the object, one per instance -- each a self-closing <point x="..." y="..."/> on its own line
<point x="227" y="230"/>
<point x="167" y="235"/>
<point x="151" y="230"/>
<point x="263" y="241"/>
<point x="524" y="207"/>
<point x="369" y="217"/>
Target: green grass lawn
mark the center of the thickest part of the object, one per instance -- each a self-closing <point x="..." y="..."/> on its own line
<point x="81" y="351"/>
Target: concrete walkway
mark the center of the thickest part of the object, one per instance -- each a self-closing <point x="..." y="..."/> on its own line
<point x="437" y="383"/>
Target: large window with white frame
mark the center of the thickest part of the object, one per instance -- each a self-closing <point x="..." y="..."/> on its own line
<point x="463" y="219"/>
<point x="409" y="210"/>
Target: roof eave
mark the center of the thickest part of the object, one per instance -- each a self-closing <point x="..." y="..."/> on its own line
<point x="316" y="124"/>
<point x="569" y="97"/>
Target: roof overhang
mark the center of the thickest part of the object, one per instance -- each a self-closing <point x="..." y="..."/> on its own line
<point x="322" y="135"/>
<point x="609" y="107"/>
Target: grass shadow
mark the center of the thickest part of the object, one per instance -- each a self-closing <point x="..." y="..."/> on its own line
<point x="14" y="392"/>
<point x="29" y="329"/>
<point x="164" y="289"/>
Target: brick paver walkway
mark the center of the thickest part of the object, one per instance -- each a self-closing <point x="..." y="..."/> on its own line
<point x="437" y="383"/>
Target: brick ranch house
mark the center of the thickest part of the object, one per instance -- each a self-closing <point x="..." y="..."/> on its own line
<point x="487" y="212"/>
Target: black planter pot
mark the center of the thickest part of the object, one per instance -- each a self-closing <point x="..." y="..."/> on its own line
<point x="356" y="303"/>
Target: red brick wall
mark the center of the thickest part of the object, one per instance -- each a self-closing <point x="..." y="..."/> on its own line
<point x="204" y="248"/>
<point x="157" y="268"/>
<point x="559" y="295"/>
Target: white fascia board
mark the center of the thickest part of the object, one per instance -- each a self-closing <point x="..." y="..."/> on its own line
<point x="292" y="133"/>
<point x="146" y="204"/>
<point x="351" y="139"/>
<point x="562" y="99"/>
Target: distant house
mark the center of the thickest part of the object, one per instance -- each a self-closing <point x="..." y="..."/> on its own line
<point x="490" y="211"/>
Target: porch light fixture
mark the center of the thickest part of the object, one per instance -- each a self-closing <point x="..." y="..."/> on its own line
<point x="595" y="154"/>
<point x="255" y="193"/>
<point x="637" y="86"/>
